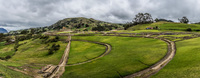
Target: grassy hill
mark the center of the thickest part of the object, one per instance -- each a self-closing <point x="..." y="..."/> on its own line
<point x="125" y="57"/>
<point x="167" y="26"/>
<point x="74" y="24"/>
<point x="185" y="64"/>
<point x="82" y="24"/>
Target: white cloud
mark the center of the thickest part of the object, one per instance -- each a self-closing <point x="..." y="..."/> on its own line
<point x="35" y="13"/>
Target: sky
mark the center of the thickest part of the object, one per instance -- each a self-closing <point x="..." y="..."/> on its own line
<point x="22" y="14"/>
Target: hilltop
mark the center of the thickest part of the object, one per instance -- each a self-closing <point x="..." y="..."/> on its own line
<point x="73" y="24"/>
<point x="2" y="30"/>
<point x="84" y="24"/>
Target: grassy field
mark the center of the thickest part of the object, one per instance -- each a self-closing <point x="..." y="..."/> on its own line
<point x="35" y="52"/>
<point x="6" y="50"/>
<point x="83" y="51"/>
<point x="128" y="55"/>
<point x="8" y="73"/>
<point x="185" y="64"/>
<point x="167" y="26"/>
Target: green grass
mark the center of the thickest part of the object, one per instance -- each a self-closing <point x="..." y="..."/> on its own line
<point x="8" y="73"/>
<point x="167" y="26"/>
<point x="6" y="50"/>
<point x="180" y="35"/>
<point x="35" y="52"/>
<point x="185" y="64"/>
<point x="84" y="51"/>
<point x="135" y="31"/>
<point x="128" y="55"/>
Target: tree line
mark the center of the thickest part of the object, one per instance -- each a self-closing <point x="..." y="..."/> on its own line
<point x="145" y="18"/>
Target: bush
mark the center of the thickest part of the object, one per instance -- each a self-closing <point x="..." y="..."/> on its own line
<point x="8" y="57"/>
<point x="53" y="49"/>
<point x="44" y="37"/>
<point x="189" y="29"/>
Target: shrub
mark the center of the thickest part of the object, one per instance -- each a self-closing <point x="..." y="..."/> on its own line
<point x="53" y="49"/>
<point x="188" y="29"/>
<point x="8" y="57"/>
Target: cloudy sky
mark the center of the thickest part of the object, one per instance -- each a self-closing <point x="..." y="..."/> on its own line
<point x="20" y="14"/>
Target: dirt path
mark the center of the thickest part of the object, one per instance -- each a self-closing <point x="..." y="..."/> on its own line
<point x="141" y="74"/>
<point x="108" y="49"/>
<point x="159" y="65"/>
<point x="61" y="67"/>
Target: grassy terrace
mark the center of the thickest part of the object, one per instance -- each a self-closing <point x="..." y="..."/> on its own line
<point x="128" y="55"/>
<point x="6" y="50"/>
<point x="185" y="64"/>
<point x="8" y="73"/>
<point x="83" y="51"/>
<point x="5" y="72"/>
<point x="35" y="52"/>
<point x="167" y="26"/>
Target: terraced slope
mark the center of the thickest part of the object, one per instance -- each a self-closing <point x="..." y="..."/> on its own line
<point x="167" y="26"/>
<point x="185" y="64"/>
<point x="126" y="57"/>
<point x="35" y="52"/>
<point x="83" y="51"/>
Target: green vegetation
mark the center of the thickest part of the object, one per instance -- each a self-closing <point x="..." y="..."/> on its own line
<point x="126" y="57"/>
<point x="136" y="31"/>
<point x="8" y="73"/>
<point x="185" y="64"/>
<point x="6" y="50"/>
<point x="35" y="52"/>
<point x="74" y="24"/>
<point x="167" y="26"/>
<point x="83" y="51"/>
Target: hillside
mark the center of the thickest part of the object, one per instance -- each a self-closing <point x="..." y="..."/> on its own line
<point x="2" y="30"/>
<point x="74" y="24"/>
<point x="167" y="26"/>
<point x="82" y="23"/>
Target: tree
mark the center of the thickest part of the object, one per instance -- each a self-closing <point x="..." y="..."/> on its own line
<point x="143" y="18"/>
<point x="1" y="36"/>
<point x="158" y="20"/>
<point x="53" y="49"/>
<point x="184" y="20"/>
<point x="127" y="25"/>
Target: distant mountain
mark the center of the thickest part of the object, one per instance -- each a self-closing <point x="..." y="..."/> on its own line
<point x="2" y="30"/>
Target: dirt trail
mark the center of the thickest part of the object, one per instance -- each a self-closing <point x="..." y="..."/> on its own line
<point x="61" y="67"/>
<point x="108" y="49"/>
<point x="159" y="65"/>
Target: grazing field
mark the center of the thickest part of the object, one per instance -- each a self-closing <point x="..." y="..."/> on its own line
<point x="128" y="55"/>
<point x="8" y="73"/>
<point x="84" y="51"/>
<point x="185" y="64"/>
<point x="36" y="52"/>
<point x="177" y="37"/>
<point x="6" y="50"/>
<point x="167" y="26"/>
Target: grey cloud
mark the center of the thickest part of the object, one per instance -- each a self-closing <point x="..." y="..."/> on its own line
<point x="19" y="14"/>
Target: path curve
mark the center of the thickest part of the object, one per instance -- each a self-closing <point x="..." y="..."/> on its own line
<point x="108" y="49"/>
<point x="159" y="65"/>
